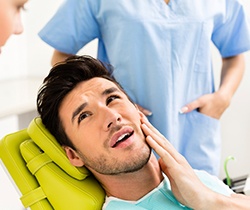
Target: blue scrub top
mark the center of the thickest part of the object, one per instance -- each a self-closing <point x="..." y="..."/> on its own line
<point x="161" y="56"/>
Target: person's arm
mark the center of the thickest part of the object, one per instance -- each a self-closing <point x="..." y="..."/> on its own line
<point x="58" y="57"/>
<point x="215" y="104"/>
<point x="185" y="185"/>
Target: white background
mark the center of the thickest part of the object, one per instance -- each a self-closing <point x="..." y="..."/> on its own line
<point x="27" y="56"/>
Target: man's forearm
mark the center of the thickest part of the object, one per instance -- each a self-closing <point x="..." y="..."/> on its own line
<point x="234" y="202"/>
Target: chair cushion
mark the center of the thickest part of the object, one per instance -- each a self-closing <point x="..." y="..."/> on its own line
<point x="46" y="141"/>
<point x="62" y="191"/>
<point x="43" y="183"/>
<point x="16" y="166"/>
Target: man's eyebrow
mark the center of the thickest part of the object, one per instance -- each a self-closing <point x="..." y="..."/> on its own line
<point x="109" y="90"/>
<point x="78" y="110"/>
<point x="82" y="106"/>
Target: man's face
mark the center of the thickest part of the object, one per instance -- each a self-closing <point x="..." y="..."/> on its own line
<point x="10" y="18"/>
<point x="104" y="126"/>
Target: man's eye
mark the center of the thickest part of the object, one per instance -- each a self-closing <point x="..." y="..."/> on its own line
<point x="111" y="98"/>
<point x="82" y="116"/>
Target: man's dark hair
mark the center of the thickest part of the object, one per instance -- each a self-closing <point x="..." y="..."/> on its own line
<point x="62" y="79"/>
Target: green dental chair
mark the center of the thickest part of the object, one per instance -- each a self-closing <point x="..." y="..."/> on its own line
<point x="46" y="179"/>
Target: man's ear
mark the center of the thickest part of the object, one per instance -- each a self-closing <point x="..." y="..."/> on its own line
<point x="73" y="157"/>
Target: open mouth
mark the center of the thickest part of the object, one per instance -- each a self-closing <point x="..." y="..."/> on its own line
<point x="122" y="138"/>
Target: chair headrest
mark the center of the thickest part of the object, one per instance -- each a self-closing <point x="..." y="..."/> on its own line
<point x="47" y="142"/>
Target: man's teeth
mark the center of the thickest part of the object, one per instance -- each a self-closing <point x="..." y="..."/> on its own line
<point x="122" y="137"/>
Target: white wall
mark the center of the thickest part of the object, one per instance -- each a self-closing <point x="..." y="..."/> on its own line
<point x="27" y="55"/>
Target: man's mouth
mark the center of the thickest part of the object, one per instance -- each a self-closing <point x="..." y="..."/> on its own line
<point x="122" y="138"/>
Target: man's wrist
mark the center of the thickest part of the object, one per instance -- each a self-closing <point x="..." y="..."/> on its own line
<point x="216" y="202"/>
<point x="211" y="201"/>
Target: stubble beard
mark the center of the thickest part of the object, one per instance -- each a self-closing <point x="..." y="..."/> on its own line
<point x="112" y="166"/>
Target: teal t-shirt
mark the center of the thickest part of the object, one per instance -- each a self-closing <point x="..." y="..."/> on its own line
<point x="161" y="198"/>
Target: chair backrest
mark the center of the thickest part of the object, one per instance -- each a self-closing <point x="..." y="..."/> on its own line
<point x="43" y="174"/>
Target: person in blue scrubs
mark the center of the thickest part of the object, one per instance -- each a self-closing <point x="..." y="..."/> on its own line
<point x="161" y="53"/>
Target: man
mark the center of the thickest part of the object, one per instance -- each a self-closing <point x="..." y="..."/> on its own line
<point x="102" y="129"/>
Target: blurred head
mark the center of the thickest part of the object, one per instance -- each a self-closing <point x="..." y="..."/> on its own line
<point x="91" y="116"/>
<point x="10" y="18"/>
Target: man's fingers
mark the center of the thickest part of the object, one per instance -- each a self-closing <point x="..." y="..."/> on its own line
<point x="162" y="146"/>
<point x="152" y="129"/>
<point x="166" y="157"/>
<point x="156" y="136"/>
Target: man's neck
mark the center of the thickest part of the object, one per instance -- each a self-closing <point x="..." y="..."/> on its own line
<point x="133" y="186"/>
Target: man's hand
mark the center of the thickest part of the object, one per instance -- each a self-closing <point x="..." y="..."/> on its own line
<point x="185" y="185"/>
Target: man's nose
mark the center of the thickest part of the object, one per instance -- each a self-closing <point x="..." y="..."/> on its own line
<point x="111" y="118"/>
